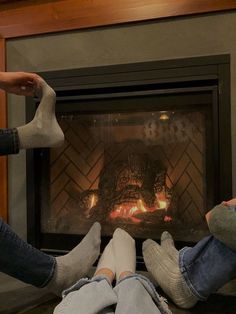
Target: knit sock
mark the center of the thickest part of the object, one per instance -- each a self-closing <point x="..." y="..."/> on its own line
<point x="106" y="264"/>
<point x="124" y="252"/>
<point x="222" y="222"/>
<point x="43" y="130"/>
<point x="167" y="243"/>
<point x="76" y="264"/>
<point x="167" y="274"/>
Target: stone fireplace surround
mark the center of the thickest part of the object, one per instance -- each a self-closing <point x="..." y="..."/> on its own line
<point x="102" y="89"/>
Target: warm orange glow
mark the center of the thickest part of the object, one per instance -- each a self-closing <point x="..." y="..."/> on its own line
<point x="92" y="201"/>
<point x="130" y="210"/>
<point x="167" y="218"/>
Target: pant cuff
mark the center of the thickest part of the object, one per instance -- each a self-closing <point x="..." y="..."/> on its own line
<point x="184" y="272"/>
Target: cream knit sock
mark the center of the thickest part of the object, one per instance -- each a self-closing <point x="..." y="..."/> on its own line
<point x="167" y="274"/>
<point x="43" y="130"/>
<point x="167" y="243"/>
<point x="124" y="252"/>
<point x="76" y="264"/>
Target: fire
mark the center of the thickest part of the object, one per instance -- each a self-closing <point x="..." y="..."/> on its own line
<point x="130" y="209"/>
<point x="92" y="201"/>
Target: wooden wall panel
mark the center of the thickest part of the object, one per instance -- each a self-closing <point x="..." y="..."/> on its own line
<point x="3" y="160"/>
<point x="36" y="17"/>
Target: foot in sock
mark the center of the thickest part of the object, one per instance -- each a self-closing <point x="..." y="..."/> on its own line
<point x="167" y="243"/>
<point x="124" y="253"/>
<point x="106" y="264"/>
<point x="76" y="264"/>
<point x="43" y="130"/>
<point x="166" y="272"/>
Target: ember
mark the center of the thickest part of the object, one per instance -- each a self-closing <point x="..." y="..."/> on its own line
<point x="130" y="210"/>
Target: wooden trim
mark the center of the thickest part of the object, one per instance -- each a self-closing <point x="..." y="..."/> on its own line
<point x="3" y="160"/>
<point x="25" y="18"/>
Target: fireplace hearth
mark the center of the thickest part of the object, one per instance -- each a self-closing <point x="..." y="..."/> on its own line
<point x="147" y="149"/>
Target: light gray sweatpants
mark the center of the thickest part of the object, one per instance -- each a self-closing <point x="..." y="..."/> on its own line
<point x="134" y="294"/>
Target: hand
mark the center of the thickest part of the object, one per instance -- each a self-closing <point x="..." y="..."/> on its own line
<point x="20" y="83"/>
<point x="229" y="203"/>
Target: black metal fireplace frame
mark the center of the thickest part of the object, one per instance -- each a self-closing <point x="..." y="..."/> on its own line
<point x="208" y="76"/>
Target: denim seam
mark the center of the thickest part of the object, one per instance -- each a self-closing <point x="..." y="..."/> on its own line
<point x="50" y="276"/>
<point x="184" y="272"/>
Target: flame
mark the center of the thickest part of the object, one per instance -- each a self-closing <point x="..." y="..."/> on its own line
<point x="92" y="201"/>
<point x="167" y="218"/>
<point x="130" y="209"/>
<point x="162" y="204"/>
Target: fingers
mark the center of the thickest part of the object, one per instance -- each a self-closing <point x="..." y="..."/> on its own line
<point x="231" y="202"/>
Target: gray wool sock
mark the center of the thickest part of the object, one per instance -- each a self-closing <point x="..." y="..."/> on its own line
<point x="222" y="224"/>
<point x="167" y="243"/>
<point x="167" y="274"/>
<point x="43" y="130"/>
<point x="76" y="264"/>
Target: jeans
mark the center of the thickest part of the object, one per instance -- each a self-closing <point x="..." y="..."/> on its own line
<point x="207" y="266"/>
<point x="132" y="295"/>
<point x="9" y="141"/>
<point x="22" y="261"/>
<point x="18" y="258"/>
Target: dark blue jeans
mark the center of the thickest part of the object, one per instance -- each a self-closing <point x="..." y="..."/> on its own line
<point x="22" y="261"/>
<point x="17" y="258"/>
<point x="207" y="266"/>
<point x="9" y="141"/>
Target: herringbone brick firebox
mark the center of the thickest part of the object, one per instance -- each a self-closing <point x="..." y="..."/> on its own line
<point x="129" y="169"/>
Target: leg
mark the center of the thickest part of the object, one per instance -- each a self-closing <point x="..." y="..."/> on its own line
<point x="95" y="295"/>
<point x="20" y="260"/>
<point x="135" y="293"/>
<point x="207" y="266"/>
<point x="9" y="142"/>
<point x="193" y="273"/>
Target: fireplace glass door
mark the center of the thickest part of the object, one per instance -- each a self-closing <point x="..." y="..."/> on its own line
<point x="144" y="171"/>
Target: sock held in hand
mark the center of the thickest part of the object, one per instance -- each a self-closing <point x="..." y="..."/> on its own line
<point x="167" y="274"/>
<point x="43" y="130"/>
<point x="76" y="264"/>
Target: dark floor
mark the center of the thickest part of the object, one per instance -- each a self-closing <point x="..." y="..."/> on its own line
<point x="18" y="298"/>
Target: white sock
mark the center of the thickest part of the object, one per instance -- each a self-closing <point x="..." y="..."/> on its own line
<point x="166" y="273"/>
<point x="107" y="259"/>
<point x="77" y="263"/>
<point x="43" y="130"/>
<point x="124" y="252"/>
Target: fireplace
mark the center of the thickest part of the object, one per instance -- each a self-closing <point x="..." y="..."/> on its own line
<point x="147" y="149"/>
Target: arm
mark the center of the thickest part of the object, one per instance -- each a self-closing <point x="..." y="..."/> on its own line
<point x="222" y="223"/>
<point x="19" y="83"/>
